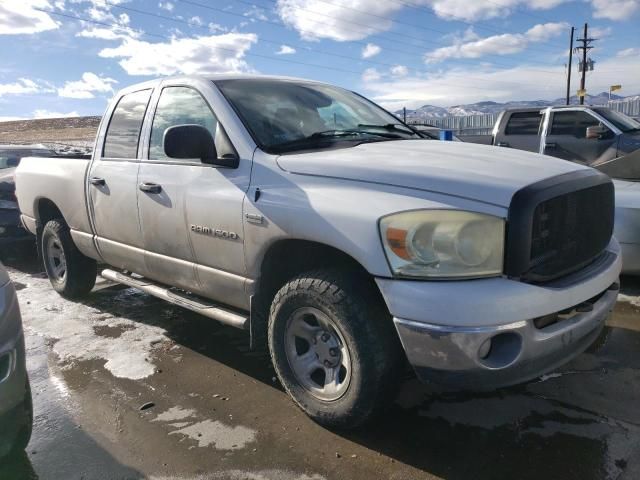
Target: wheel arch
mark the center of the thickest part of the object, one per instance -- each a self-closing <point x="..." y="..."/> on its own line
<point x="286" y="258"/>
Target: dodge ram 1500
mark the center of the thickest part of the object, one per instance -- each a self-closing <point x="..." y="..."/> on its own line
<point x="333" y="233"/>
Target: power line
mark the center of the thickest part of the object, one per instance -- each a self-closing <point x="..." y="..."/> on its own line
<point x="395" y="50"/>
<point x="269" y="57"/>
<point x="368" y="27"/>
<point x="276" y="42"/>
<point x="399" y="22"/>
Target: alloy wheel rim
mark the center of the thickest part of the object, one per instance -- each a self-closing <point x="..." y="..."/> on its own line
<point x="317" y="354"/>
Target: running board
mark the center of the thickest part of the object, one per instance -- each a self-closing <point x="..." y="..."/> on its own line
<point x="195" y="304"/>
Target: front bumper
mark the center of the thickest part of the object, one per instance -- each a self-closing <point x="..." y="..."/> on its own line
<point x="484" y="334"/>
<point x="515" y="353"/>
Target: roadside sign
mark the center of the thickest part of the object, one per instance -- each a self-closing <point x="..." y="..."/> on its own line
<point x="613" y="88"/>
<point x="582" y="92"/>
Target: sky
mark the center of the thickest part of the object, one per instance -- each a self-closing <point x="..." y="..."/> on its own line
<point x="68" y="57"/>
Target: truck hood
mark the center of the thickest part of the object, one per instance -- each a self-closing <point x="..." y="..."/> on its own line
<point x="478" y="172"/>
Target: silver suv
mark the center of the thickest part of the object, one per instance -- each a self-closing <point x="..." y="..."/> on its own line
<point x="16" y="412"/>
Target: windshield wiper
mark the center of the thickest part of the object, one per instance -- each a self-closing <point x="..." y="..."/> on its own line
<point x="328" y="135"/>
<point x="395" y="127"/>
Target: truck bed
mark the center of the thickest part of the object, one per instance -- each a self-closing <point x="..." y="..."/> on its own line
<point x="59" y="179"/>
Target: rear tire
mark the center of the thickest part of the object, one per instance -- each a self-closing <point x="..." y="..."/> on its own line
<point x="334" y="347"/>
<point x="71" y="274"/>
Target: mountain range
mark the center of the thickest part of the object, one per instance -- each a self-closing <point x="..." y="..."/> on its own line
<point x="481" y="108"/>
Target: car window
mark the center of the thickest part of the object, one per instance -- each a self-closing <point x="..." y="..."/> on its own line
<point x="123" y="132"/>
<point x="523" y="123"/>
<point x="572" y="123"/>
<point x="184" y="106"/>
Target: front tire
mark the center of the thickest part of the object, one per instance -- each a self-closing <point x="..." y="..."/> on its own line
<point x="334" y="347"/>
<point x="71" y="274"/>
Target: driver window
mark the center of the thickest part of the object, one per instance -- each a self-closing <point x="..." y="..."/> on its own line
<point x="572" y="123"/>
<point x="180" y="106"/>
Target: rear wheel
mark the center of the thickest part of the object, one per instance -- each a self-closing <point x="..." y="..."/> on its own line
<point x="71" y="274"/>
<point x="334" y="347"/>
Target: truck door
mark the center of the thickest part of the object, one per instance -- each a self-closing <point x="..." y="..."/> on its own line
<point x="521" y="131"/>
<point x="567" y="137"/>
<point x="112" y="185"/>
<point x="191" y="213"/>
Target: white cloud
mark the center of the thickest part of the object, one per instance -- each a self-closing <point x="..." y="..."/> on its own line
<point x="316" y="19"/>
<point x="286" y="50"/>
<point x="168" y="6"/>
<point x="370" y="50"/>
<point x="399" y="71"/>
<point x="600" y="32"/>
<point x="23" y="86"/>
<point x="371" y="75"/>
<point x="472" y="84"/>
<point x="197" y="21"/>
<point x="50" y="114"/>
<point x="504" y="44"/>
<point x="474" y="10"/>
<point x="87" y="86"/>
<point x="629" y="52"/>
<point x="211" y="54"/>
<point x="615" y="9"/>
<point x="255" y="13"/>
<point x="20" y="17"/>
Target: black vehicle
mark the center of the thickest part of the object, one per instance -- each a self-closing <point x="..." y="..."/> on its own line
<point x="11" y="231"/>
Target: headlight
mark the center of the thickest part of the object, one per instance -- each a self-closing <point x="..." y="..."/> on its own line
<point x="443" y="243"/>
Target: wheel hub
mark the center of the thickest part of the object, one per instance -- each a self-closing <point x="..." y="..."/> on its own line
<point x="327" y="349"/>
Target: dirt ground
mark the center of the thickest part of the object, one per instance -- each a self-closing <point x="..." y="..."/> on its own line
<point x="215" y="409"/>
<point x="73" y="130"/>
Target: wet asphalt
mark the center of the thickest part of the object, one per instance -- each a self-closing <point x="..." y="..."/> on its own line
<point x="126" y="386"/>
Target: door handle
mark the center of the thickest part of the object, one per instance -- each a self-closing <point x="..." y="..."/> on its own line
<point x="97" y="181"/>
<point x="502" y="144"/>
<point x="550" y="145"/>
<point x="150" y="187"/>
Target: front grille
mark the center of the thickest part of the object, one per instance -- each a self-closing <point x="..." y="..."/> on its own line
<point x="559" y="226"/>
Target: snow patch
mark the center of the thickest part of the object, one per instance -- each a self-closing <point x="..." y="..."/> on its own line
<point x="175" y="413"/>
<point x="72" y="325"/>
<point x="632" y="299"/>
<point x="216" y="433"/>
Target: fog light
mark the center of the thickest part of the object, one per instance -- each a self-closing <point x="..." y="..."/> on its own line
<point x="501" y="350"/>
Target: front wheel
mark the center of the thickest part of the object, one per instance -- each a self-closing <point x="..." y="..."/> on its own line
<point x="334" y="347"/>
<point x="71" y="274"/>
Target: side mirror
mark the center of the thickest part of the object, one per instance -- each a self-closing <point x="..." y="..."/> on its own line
<point x="596" y="132"/>
<point x="194" y="141"/>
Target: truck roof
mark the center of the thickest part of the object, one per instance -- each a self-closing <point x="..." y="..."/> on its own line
<point x="214" y="77"/>
<point x="555" y="107"/>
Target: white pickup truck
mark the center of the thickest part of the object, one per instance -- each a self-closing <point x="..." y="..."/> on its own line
<point x="346" y="241"/>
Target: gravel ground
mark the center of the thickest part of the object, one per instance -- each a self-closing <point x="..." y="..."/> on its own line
<point x="215" y="410"/>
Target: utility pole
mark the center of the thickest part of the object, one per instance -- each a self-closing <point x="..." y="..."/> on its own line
<point x="570" y="66"/>
<point x="585" y="47"/>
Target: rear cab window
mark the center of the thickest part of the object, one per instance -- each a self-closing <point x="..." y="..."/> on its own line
<point x="123" y="132"/>
<point x="523" y="123"/>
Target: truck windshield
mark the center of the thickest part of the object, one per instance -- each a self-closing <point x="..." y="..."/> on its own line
<point x="286" y="115"/>
<point x="620" y="120"/>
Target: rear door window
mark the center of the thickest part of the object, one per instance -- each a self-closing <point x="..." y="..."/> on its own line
<point x="123" y="133"/>
<point x="523" y="123"/>
<point x="573" y="123"/>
